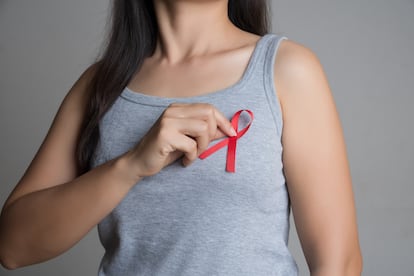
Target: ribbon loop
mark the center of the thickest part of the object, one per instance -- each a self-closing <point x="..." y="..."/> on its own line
<point x="230" y="142"/>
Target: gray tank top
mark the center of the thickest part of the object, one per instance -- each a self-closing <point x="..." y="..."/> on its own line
<point x="203" y="220"/>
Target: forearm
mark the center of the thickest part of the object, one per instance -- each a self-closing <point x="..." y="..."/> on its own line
<point x="43" y="224"/>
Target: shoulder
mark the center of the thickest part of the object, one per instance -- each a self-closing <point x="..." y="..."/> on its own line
<point x="296" y="63"/>
<point x="78" y="96"/>
<point x="80" y="87"/>
<point x="298" y="73"/>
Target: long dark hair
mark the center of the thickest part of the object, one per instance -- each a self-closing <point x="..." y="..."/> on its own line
<point x="132" y="38"/>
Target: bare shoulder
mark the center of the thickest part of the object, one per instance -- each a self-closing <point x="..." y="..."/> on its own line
<point x="290" y="50"/>
<point x="78" y="95"/>
<point x="299" y="76"/>
<point x="296" y="66"/>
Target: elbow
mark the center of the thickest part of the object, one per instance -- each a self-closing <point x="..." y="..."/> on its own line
<point x="8" y="260"/>
<point x="8" y="257"/>
<point x="17" y="253"/>
<point x="11" y="257"/>
<point x="8" y="263"/>
<point x="350" y="265"/>
<point x="355" y="264"/>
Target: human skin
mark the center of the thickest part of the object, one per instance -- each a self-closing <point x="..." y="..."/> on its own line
<point x="53" y="206"/>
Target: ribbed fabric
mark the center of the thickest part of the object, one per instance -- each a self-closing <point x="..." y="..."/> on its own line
<point x="202" y="220"/>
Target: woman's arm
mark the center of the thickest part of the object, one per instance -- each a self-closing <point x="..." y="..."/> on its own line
<point x="316" y="165"/>
<point x="52" y="207"/>
<point x="46" y="213"/>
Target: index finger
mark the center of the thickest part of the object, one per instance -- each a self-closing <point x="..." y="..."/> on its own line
<point x="224" y="124"/>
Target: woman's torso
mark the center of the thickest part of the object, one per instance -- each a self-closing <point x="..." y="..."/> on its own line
<point x="202" y="220"/>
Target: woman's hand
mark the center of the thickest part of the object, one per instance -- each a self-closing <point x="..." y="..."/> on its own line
<point x="181" y="130"/>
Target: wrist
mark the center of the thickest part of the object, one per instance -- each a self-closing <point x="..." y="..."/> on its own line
<point x="127" y="169"/>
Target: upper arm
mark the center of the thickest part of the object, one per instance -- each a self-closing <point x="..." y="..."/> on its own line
<point x="315" y="159"/>
<point x="55" y="160"/>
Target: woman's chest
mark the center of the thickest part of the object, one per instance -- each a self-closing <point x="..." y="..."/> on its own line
<point x="257" y="182"/>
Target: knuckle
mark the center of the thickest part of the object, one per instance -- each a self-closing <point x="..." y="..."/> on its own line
<point x="205" y="107"/>
<point x="166" y="149"/>
<point x="203" y="127"/>
<point x="209" y="110"/>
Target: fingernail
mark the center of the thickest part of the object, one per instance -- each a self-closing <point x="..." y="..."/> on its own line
<point x="233" y="132"/>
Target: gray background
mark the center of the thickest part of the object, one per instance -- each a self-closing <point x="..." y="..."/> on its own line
<point x="366" y="48"/>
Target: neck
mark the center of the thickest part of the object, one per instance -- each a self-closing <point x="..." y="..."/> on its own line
<point x="190" y="28"/>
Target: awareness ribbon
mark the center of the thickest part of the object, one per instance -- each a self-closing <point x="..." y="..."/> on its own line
<point x="231" y="142"/>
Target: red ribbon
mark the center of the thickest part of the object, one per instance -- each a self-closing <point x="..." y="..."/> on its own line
<point x="231" y="142"/>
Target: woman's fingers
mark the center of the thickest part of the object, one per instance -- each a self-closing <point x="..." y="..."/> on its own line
<point x="182" y="130"/>
<point x="207" y="112"/>
<point x="224" y="124"/>
<point x="188" y="146"/>
<point x="197" y="129"/>
<point x="195" y="111"/>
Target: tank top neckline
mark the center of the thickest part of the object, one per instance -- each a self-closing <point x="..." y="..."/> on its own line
<point x="146" y="99"/>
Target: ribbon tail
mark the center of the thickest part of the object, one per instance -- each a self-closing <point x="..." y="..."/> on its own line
<point x="213" y="149"/>
<point x="231" y="155"/>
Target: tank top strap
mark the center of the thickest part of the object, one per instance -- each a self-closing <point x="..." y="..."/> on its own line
<point x="263" y="56"/>
<point x="268" y="52"/>
<point x="266" y="59"/>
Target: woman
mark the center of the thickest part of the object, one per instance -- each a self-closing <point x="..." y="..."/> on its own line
<point x="174" y="74"/>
